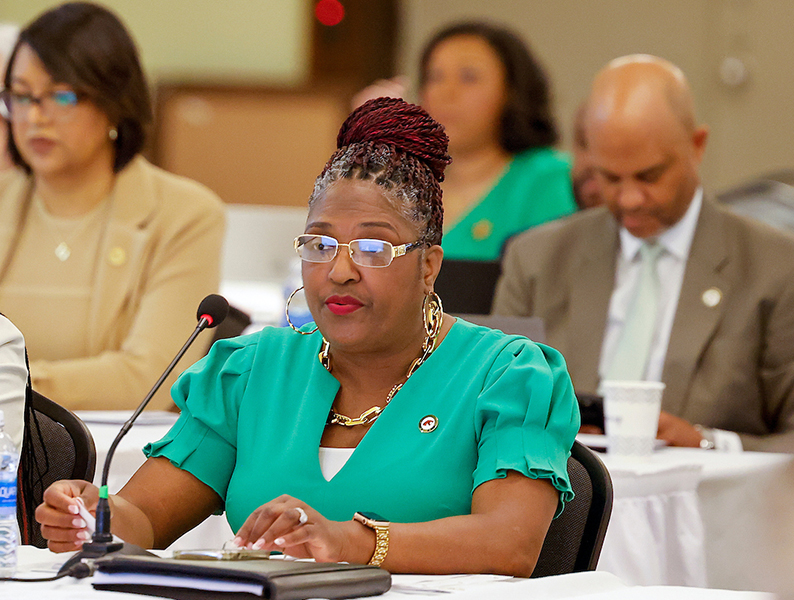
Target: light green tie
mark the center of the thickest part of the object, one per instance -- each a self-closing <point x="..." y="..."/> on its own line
<point x="634" y="346"/>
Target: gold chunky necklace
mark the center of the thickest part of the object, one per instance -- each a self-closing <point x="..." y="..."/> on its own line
<point x="434" y="317"/>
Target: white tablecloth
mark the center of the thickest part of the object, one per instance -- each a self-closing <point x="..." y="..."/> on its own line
<point x="703" y="518"/>
<point x="583" y="586"/>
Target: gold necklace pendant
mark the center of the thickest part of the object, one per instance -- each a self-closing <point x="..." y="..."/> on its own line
<point x="63" y="252"/>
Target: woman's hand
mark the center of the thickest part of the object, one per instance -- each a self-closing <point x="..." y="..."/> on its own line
<point x="61" y="525"/>
<point x="280" y="525"/>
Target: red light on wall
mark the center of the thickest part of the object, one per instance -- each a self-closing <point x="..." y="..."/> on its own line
<point x="329" y="12"/>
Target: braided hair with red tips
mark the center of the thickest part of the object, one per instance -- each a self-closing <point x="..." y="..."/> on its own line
<point x="399" y="147"/>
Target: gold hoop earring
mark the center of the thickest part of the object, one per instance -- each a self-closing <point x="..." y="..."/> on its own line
<point x="433" y="314"/>
<point x="113" y="133"/>
<point x="289" y="321"/>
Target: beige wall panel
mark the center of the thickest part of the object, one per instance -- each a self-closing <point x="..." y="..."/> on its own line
<point x="250" y="146"/>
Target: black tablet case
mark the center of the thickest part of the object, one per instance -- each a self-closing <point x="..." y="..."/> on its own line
<point x="282" y="579"/>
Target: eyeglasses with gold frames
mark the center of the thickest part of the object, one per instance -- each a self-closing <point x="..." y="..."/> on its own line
<point x="363" y="252"/>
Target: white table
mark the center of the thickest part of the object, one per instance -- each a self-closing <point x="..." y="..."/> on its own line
<point x="703" y="518"/>
<point x="684" y="517"/>
<point x="583" y="586"/>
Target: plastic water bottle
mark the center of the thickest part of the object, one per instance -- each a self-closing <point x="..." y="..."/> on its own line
<point x="9" y="531"/>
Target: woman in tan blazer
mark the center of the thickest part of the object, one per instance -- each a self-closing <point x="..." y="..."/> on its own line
<point x="103" y="257"/>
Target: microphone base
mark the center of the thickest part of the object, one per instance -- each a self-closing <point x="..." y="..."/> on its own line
<point x="94" y="550"/>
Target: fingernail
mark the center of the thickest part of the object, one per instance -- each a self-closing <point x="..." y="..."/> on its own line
<point x="279" y="541"/>
<point x="79" y="523"/>
<point x="238" y="541"/>
<point x="83" y="535"/>
<point x="259" y="544"/>
<point x="73" y="508"/>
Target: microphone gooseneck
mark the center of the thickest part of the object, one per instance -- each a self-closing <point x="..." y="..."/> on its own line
<point x="211" y="312"/>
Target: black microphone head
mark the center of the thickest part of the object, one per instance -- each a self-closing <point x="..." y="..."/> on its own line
<point x="214" y="308"/>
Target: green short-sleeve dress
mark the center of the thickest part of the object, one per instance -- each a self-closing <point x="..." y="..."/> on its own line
<point x="254" y="409"/>
<point x="535" y="188"/>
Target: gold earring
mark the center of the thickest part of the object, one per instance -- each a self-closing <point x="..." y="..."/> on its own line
<point x="289" y="321"/>
<point x="113" y="133"/>
<point x="433" y="313"/>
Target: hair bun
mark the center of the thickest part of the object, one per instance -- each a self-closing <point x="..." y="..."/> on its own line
<point x="404" y="126"/>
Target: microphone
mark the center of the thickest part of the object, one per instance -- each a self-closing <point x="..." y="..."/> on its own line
<point x="211" y="312"/>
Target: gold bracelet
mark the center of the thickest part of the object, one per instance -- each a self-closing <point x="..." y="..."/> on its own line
<point x="381" y="528"/>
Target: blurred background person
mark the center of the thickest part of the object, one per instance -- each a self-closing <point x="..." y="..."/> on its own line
<point x="8" y="37"/>
<point x="482" y="83"/>
<point x="101" y="253"/>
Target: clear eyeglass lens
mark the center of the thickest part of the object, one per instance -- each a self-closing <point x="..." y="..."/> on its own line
<point x="316" y="248"/>
<point x="372" y="253"/>
<point x="64" y="98"/>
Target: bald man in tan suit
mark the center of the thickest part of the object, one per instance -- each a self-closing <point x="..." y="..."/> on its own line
<point x="723" y="340"/>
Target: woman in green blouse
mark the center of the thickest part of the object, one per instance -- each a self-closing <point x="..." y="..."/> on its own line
<point x="482" y="83"/>
<point x="457" y="436"/>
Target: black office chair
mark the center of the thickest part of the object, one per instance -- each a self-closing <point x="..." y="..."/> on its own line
<point x="574" y="540"/>
<point x="57" y="446"/>
<point x="233" y="325"/>
<point x="467" y="286"/>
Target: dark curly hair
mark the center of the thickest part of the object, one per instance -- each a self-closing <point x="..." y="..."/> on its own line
<point x="399" y="147"/>
<point x="86" y="46"/>
<point x="527" y="121"/>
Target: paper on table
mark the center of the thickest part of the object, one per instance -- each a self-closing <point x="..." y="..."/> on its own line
<point x="599" y="442"/>
<point x="194" y="583"/>
<point x="119" y="417"/>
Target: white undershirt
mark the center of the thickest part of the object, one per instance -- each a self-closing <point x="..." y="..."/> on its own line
<point x="333" y="459"/>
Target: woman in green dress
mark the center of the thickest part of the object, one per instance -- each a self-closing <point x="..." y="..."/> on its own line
<point x="482" y="83"/>
<point x="454" y="435"/>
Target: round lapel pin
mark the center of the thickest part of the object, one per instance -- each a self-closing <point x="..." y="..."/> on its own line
<point x="712" y="297"/>
<point x="117" y="256"/>
<point x="482" y="230"/>
<point x="428" y="424"/>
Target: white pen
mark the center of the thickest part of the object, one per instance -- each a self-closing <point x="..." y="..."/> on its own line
<point x="90" y="521"/>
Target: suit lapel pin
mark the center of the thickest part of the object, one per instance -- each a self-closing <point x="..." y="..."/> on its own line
<point x="711" y="297"/>
<point x="428" y="424"/>
<point x="117" y="256"/>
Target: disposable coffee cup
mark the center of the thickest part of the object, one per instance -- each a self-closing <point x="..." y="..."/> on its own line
<point x="631" y="416"/>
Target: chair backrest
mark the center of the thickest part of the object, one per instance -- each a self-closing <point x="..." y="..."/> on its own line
<point x="467" y="286"/>
<point x="574" y="540"/>
<point x="769" y="199"/>
<point x="62" y="448"/>
<point x="233" y="325"/>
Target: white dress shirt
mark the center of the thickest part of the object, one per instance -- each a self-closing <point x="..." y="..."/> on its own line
<point x="671" y="264"/>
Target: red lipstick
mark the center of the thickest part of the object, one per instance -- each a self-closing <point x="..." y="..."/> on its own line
<point x="343" y="305"/>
